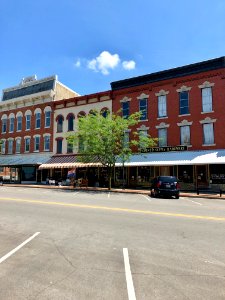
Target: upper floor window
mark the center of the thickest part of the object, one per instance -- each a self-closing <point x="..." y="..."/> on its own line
<point x="69" y="147"/>
<point x="185" y="135"/>
<point x="126" y="139"/>
<point x="59" y="146"/>
<point x="47" y="119"/>
<point x="70" y="119"/>
<point x="18" y="145"/>
<point x="59" y="121"/>
<point x="19" y="123"/>
<point x="104" y="112"/>
<point x="10" y="146"/>
<point x="3" y="147"/>
<point x="143" y="109"/>
<point x="38" y="120"/>
<point x="27" y="144"/>
<point x="47" y="143"/>
<point x="4" y="125"/>
<point x="207" y="99"/>
<point x="162" y="137"/>
<point x="184" y="102"/>
<point x="37" y="143"/>
<point x="162" y="107"/>
<point x="208" y="134"/>
<point x="28" y="122"/>
<point x="125" y="109"/>
<point x="11" y="124"/>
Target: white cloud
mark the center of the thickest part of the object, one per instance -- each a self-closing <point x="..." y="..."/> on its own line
<point x="129" y="65"/>
<point x="77" y="63"/>
<point x="104" y="62"/>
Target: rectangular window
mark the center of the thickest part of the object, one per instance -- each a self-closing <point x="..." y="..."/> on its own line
<point x="3" y="147"/>
<point x="125" y="109"/>
<point x="38" y="120"/>
<point x="162" y="109"/>
<point x="28" y="122"/>
<point x="36" y="143"/>
<point x="185" y="135"/>
<point x="10" y="146"/>
<point x="143" y="109"/>
<point x="19" y="123"/>
<point x="11" y="124"/>
<point x="4" y="125"/>
<point x="142" y="133"/>
<point x="69" y="147"/>
<point x="18" y="144"/>
<point x="47" y="143"/>
<point x="184" y="103"/>
<point x="47" y="119"/>
<point x="59" y="146"/>
<point x="27" y="144"/>
<point x="207" y="99"/>
<point x="208" y="134"/>
<point x="162" y="135"/>
<point x="126" y="139"/>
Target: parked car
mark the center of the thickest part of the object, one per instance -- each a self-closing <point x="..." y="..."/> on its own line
<point x="167" y="186"/>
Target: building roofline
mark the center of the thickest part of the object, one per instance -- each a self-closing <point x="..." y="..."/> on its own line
<point x="195" y="68"/>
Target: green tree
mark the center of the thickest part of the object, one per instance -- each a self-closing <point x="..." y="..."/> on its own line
<point x="103" y="138"/>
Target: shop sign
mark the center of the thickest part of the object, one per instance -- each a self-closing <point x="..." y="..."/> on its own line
<point x="165" y="149"/>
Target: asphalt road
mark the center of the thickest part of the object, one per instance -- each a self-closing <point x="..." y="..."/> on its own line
<point x="58" y="244"/>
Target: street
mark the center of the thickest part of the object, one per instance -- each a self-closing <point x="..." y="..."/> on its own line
<point x="65" y="244"/>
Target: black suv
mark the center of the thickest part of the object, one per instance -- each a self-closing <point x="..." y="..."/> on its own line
<point x="165" y="186"/>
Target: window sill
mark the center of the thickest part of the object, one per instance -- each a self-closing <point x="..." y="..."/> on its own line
<point x="26" y="151"/>
<point x="19" y="130"/>
<point x="207" y="112"/>
<point x="184" y="115"/>
<point x="46" y="150"/>
<point x="18" y="152"/>
<point x="47" y="126"/>
<point x="160" y="118"/>
<point x="36" y="151"/>
<point x="146" y="120"/>
<point x="27" y="129"/>
<point x="37" y="128"/>
<point x="208" y="145"/>
<point x="70" y="130"/>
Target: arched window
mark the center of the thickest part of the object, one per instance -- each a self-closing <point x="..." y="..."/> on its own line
<point x="104" y="112"/>
<point x="70" y="119"/>
<point x="59" y="120"/>
<point x="81" y="114"/>
<point x="59" y="142"/>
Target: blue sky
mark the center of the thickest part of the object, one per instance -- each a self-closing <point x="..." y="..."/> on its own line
<point x="91" y="43"/>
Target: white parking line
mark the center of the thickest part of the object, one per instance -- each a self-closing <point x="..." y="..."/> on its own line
<point x="194" y="202"/>
<point x="18" y="247"/>
<point x="146" y="197"/>
<point x="130" y="285"/>
<point x="108" y="195"/>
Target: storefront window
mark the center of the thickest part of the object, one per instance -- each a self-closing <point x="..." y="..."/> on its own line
<point x="217" y="174"/>
<point x="185" y="174"/>
<point x="28" y="173"/>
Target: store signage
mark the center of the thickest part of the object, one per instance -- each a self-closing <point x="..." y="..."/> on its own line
<point x="165" y="149"/>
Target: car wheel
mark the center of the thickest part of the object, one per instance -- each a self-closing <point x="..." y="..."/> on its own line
<point x="152" y="194"/>
<point x="177" y="196"/>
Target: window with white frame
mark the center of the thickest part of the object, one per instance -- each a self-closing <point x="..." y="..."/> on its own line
<point x="207" y="99"/>
<point x="69" y="147"/>
<point x="3" y="147"/>
<point x="185" y="135"/>
<point x="27" y="144"/>
<point x="162" y="107"/>
<point x="11" y="124"/>
<point x="208" y="134"/>
<point x="125" y="109"/>
<point x="47" y="119"/>
<point x="4" y="125"/>
<point x="38" y="120"/>
<point x="162" y="137"/>
<point x="37" y="143"/>
<point x="59" y="145"/>
<point x="47" y="143"/>
<point x="143" y="109"/>
<point x="19" y="123"/>
<point x="59" y="121"/>
<point x="18" y="145"/>
<point x="10" y="146"/>
<point x="28" y="122"/>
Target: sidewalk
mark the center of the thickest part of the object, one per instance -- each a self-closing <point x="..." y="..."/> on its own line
<point x="114" y="190"/>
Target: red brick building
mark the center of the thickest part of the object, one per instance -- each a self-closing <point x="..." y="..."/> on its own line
<point x="181" y="107"/>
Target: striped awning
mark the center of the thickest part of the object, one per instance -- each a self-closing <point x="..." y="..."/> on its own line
<point x="68" y="161"/>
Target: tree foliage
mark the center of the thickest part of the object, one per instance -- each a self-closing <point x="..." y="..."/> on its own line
<point x="102" y="138"/>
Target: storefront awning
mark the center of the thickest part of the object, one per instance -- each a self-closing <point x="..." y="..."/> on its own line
<point x="177" y="158"/>
<point x="24" y="159"/>
<point x="68" y="161"/>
